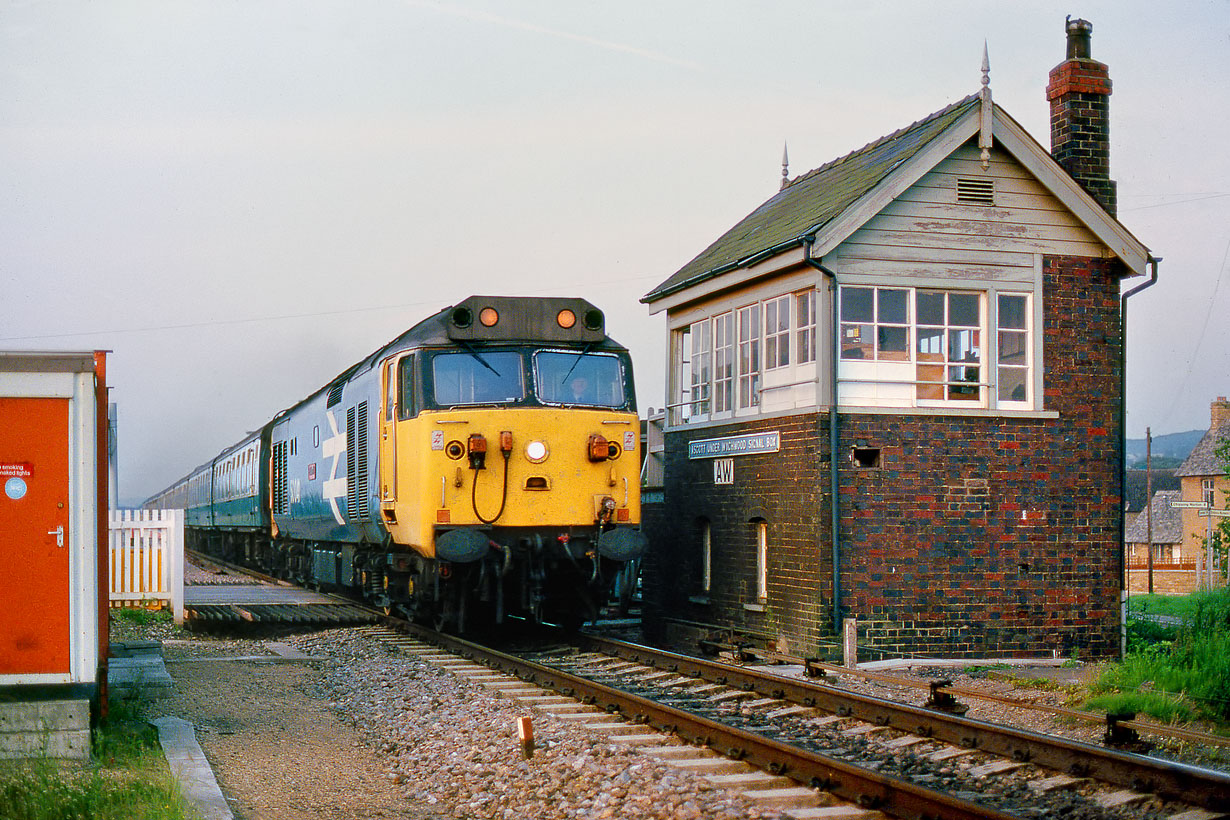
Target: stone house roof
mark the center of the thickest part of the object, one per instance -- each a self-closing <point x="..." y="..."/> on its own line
<point x="1203" y="460"/>
<point x="1167" y="521"/>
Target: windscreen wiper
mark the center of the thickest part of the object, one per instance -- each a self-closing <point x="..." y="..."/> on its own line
<point x="588" y="347"/>
<point x="477" y="357"/>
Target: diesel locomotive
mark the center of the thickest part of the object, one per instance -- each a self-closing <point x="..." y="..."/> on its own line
<point x="483" y="464"/>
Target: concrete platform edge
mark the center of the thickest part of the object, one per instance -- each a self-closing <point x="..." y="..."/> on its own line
<point x="191" y="768"/>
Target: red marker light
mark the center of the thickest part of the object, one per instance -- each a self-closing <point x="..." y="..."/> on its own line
<point x="488" y="317"/>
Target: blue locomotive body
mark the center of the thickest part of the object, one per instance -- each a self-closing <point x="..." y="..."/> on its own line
<point x="380" y="482"/>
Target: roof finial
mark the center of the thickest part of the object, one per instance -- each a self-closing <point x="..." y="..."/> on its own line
<point x="785" y="167"/>
<point x="986" y="68"/>
<point x="984" y="131"/>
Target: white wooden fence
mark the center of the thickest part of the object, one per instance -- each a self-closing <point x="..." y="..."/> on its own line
<point x="147" y="559"/>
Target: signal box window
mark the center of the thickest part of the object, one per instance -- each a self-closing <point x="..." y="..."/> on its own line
<point x="477" y="378"/>
<point x="590" y="379"/>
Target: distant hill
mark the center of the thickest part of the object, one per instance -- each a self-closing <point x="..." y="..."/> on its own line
<point x="1176" y="446"/>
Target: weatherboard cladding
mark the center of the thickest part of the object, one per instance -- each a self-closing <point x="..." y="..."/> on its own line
<point x="1167" y="521"/>
<point x="813" y="200"/>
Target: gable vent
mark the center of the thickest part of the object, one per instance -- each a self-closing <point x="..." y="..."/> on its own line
<point x="976" y="191"/>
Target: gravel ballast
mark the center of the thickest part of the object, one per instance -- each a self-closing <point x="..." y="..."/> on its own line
<point x="365" y="731"/>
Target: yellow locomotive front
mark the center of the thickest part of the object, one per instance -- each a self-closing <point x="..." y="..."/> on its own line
<point x="509" y="462"/>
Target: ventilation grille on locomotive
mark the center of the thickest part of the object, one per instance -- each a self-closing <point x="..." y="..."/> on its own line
<point x="280" y="506"/>
<point x="356" y="462"/>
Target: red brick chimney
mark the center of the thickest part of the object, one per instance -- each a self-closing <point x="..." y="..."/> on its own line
<point x="1079" y="93"/>
<point x="1220" y="411"/>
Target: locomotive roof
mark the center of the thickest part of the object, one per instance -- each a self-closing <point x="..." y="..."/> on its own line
<point x="514" y="326"/>
<point x="441" y="329"/>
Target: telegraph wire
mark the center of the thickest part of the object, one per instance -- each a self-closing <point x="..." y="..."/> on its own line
<point x="283" y="317"/>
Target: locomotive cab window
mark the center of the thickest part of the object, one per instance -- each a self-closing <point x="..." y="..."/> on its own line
<point x="407" y="404"/>
<point x="589" y="379"/>
<point x="478" y="377"/>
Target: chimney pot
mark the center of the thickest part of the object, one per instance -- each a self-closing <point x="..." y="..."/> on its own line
<point x="1079" y="32"/>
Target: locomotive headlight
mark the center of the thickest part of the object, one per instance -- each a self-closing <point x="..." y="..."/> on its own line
<point x="536" y="451"/>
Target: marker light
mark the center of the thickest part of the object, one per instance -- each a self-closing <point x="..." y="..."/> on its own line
<point x="566" y="319"/>
<point x="488" y="316"/>
<point x="598" y="448"/>
<point x="536" y="451"/>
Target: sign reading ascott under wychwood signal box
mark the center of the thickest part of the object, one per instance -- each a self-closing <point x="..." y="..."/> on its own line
<point x="744" y="445"/>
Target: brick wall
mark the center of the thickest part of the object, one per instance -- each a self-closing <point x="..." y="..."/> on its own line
<point x="975" y="536"/>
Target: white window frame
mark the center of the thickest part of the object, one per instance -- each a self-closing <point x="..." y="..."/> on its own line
<point x="955" y="373"/>
<point x="724" y="353"/>
<point x="762" y="561"/>
<point x="747" y="359"/>
<point x="1000" y="366"/>
<point x="777" y="338"/>
<point x="890" y="381"/>
<point x="720" y="365"/>
<point x="706" y="557"/>
<point x="1208" y="491"/>
<point x="804" y="332"/>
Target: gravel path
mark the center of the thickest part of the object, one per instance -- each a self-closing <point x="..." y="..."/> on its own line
<point x="362" y="731"/>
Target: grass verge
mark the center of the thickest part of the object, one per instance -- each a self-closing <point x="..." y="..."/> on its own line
<point x="1174" y="675"/>
<point x="127" y="779"/>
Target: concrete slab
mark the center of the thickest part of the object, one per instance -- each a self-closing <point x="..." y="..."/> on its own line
<point x="139" y="675"/>
<point x="45" y="729"/>
<point x="191" y="769"/>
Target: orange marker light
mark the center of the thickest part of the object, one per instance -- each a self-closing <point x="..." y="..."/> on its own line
<point x="598" y="448"/>
<point x="566" y="319"/>
<point x="489" y="316"/>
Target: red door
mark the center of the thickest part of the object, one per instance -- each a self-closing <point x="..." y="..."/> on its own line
<point x="34" y="568"/>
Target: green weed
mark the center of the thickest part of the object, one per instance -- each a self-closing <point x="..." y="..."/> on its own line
<point x="140" y="616"/>
<point x="128" y="778"/>
<point x="1177" y="675"/>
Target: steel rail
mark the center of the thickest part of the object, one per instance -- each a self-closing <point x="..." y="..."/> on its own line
<point x="867" y="788"/>
<point x="1140" y="725"/>
<point x="1178" y="781"/>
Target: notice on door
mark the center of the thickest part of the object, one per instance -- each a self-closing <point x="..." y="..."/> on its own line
<point x="14" y="476"/>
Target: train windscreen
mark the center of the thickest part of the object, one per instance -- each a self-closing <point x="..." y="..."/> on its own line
<point x="587" y="379"/>
<point x="478" y="377"/>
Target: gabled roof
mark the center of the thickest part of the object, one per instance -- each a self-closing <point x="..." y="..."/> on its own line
<point x="1167" y="521"/>
<point x="1203" y="460"/>
<point x="812" y="200"/>
<point x="828" y="204"/>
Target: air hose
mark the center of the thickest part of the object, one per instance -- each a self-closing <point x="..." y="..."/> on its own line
<point x="503" y="494"/>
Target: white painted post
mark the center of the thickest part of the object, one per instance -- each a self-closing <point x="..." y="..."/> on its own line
<point x="849" y="642"/>
<point x="175" y="553"/>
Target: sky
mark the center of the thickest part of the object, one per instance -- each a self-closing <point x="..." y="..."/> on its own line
<point x="241" y="199"/>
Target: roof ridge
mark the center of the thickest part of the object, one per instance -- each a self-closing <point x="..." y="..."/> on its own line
<point x="881" y="140"/>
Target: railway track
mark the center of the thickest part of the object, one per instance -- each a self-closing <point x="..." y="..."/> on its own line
<point x="810" y="741"/>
